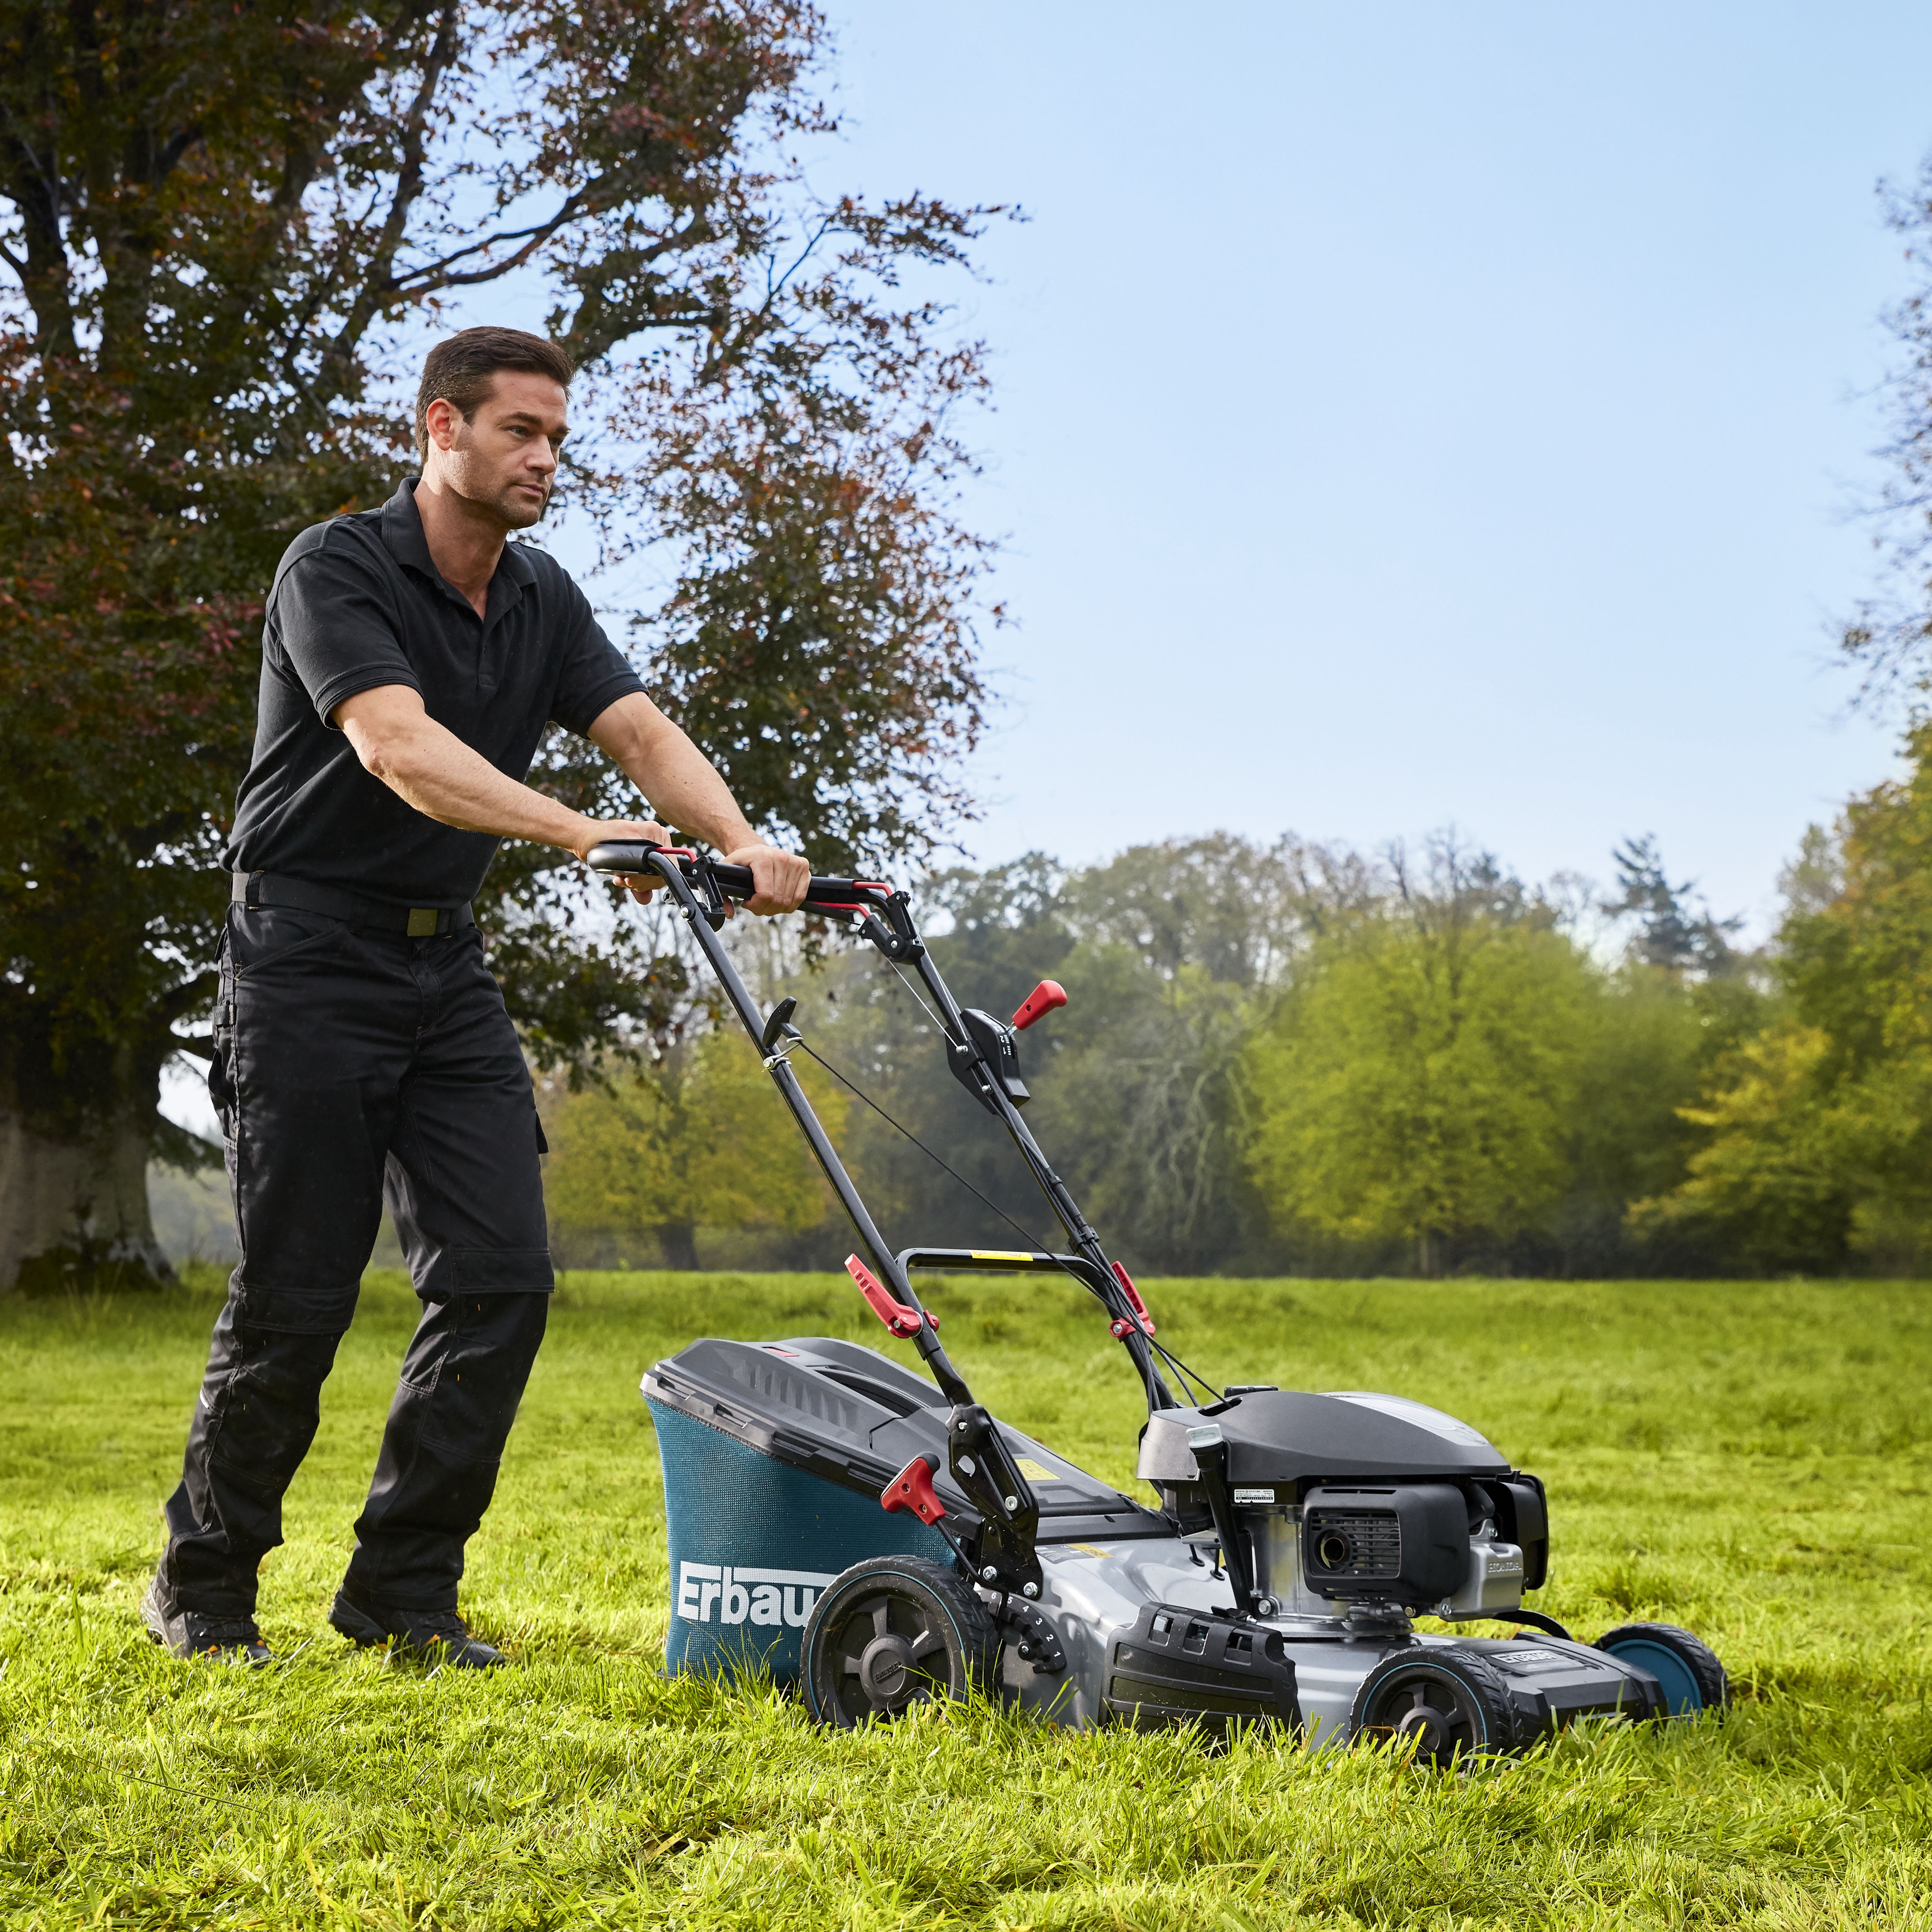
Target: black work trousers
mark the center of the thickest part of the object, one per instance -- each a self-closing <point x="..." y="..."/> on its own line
<point x="351" y="1066"/>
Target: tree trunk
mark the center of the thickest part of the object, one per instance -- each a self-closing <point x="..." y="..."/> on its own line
<point x="73" y="1204"/>
<point x="680" y="1244"/>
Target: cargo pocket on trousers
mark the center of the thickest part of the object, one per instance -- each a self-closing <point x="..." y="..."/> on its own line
<point x="501" y="1270"/>
<point x="221" y="1049"/>
<point x="221" y="1081"/>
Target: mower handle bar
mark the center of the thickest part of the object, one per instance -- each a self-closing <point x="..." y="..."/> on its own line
<point x="630" y="856"/>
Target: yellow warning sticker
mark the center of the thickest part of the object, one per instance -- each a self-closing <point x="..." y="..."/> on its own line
<point x="1088" y="1550"/>
<point x="1036" y="1471"/>
<point x="1002" y="1255"/>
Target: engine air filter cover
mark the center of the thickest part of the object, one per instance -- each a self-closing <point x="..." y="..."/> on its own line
<point x="1346" y="1543"/>
<point x="1408" y="1543"/>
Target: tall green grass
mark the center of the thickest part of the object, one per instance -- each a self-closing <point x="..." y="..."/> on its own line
<point x="1752" y="1460"/>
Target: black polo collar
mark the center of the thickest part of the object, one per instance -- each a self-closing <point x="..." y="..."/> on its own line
<point x="403" y="537"/>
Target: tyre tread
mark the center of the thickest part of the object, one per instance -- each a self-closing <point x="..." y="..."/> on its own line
<point x="1714" y="1683"/>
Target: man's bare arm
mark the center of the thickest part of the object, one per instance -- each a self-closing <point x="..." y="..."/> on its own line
<point x="429" y="767"/>
<point x="682" y="783"/>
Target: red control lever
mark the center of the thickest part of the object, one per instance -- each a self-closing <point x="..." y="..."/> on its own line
<point x="912" y="1489"/>
<point x="1038" y="1003"/>
<point x="902" y="1321"/>
<point x="1134" y="1302"/>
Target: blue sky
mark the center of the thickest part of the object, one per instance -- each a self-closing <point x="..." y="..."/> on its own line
<point x="1412" y="415"/>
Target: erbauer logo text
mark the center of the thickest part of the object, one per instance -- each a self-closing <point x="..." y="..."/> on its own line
<point x="709" y="1592"/>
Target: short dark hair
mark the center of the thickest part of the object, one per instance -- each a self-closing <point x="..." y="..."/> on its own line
<point x="461" y="370"/>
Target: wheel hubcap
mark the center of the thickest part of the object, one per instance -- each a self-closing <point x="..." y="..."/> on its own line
<point x="1431" y="1715"/>
<point x="883" y="1664"/>
<point x="884" y="1667"/>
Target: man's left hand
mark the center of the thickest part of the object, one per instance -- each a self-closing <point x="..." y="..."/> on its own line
<point x="780" y="877"/>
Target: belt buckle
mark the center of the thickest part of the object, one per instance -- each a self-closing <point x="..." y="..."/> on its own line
<point x="423" y="921"/>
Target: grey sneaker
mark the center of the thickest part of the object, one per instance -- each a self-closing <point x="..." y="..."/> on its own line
<point x="436" y="1636"/>
<point x="196" y="1633"/>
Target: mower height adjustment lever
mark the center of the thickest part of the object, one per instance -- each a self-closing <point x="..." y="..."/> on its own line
<point x="912" y="1489"/>
<point x="902" y="1321"/>
<point x="1035" y="1639"/>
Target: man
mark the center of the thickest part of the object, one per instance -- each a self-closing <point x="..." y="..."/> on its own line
<point x="411" y="662"/>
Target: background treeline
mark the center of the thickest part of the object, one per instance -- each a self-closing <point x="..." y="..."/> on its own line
<point x="1297" y="1059"/>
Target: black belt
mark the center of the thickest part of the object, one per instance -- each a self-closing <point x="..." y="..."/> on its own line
<point x="271" y="889"/>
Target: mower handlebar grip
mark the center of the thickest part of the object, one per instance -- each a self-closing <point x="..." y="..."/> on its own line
<point x="629" y="856"/>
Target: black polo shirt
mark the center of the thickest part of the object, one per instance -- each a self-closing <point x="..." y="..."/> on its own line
<point x="357" y="603"/>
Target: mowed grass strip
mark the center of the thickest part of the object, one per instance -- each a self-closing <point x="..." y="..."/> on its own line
<point x="1750" y="1459"/>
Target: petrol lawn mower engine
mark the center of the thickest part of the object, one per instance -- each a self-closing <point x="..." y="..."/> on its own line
<point x="1430" y="1519"/>
<point x="872" y="1535"/>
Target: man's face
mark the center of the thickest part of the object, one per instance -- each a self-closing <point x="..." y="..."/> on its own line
<point x="505" y="460"/>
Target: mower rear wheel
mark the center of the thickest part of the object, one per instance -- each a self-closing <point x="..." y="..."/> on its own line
<point x="1453" y="1703"/>
<point x="1694" y="1681"/>
<point x="891" y="1633"/>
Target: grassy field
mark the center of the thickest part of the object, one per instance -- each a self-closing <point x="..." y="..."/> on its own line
<point x="1749" y="1459"/>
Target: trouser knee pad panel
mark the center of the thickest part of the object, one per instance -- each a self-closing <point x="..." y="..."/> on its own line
<point x="461" y="1382"/>
<point x="254" y="1419"/>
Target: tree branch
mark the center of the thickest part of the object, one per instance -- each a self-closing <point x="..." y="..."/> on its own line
<point x="431" y="278"/>
<point x="336" y="360"/>
<point x="183" y="998"/>
<point x="169" y="158"/>
<point x="36" y="190"/>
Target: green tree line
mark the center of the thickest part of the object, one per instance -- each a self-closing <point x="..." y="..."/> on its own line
<point x="1292" y="1058"/>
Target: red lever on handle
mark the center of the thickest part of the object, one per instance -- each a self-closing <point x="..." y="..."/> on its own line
<point x="1038" y="1003"/>
<point x="902" y="1321"/>
<point x="1133" y="1295"/>
<point x="912" y="1489"/>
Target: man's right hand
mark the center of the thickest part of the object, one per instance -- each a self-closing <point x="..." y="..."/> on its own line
<point x="639" y="885"/>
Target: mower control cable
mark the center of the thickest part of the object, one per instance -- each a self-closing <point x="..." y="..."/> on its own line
<point x="938" y="1160"/>
<point x="926" y="1010"/>
<point x="1181" y="1368"/>
<point x="1032" y="1240"/>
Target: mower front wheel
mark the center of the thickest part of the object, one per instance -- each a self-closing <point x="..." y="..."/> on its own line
<point x="1694" y="1681"/>
<point x="891" y="1633"/>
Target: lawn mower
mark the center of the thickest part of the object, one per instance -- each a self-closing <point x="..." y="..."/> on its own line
<point x="872" y="1535"/>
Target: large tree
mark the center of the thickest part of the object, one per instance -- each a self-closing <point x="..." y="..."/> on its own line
<point x="1418" y="1082"/>
<point x="227" y="230"/>
<point x="1889" y="639"/>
